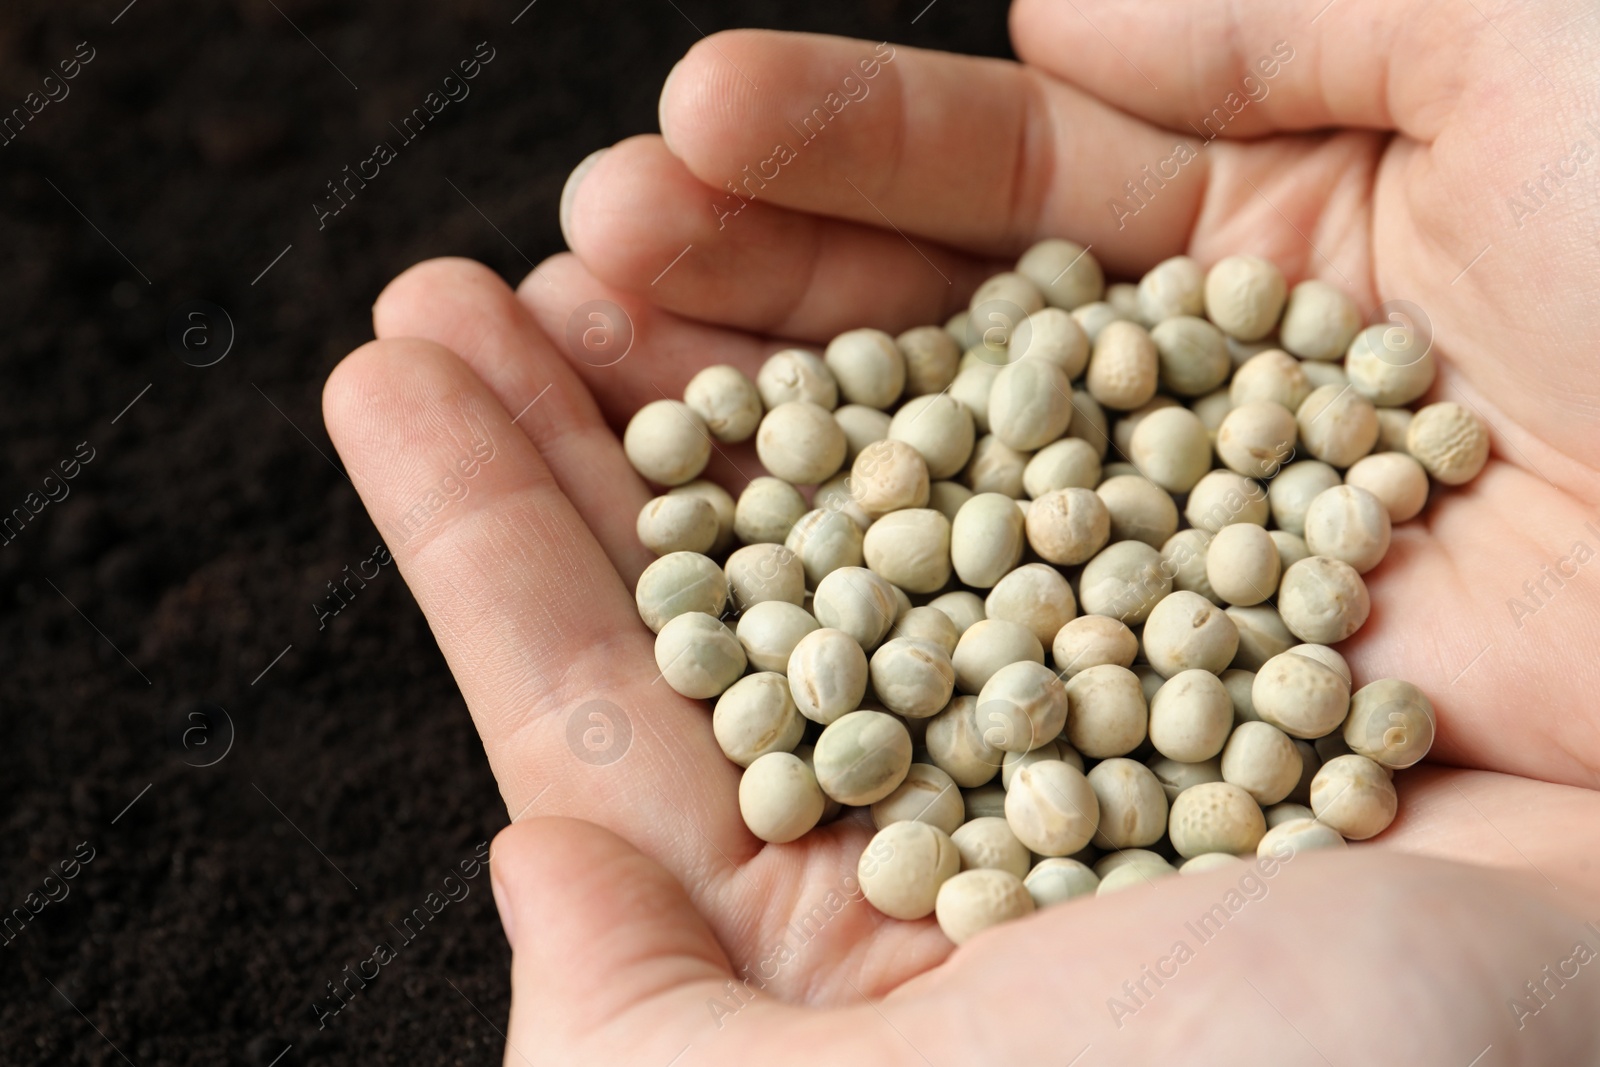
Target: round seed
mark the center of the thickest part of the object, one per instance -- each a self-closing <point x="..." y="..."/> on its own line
<point x="1337" y="424"/>
<point x="1215" y="817"/>
<point x="1173" y="449"/>
<point x="1301" y="696"/>
<point x="1185" y="631"/>
<point x="1299" y="835"/>
<point x="779" y="798"/>
<point x="1349" y="524"/>
<point x="1292" y="491"/>
<point x="1449" y="441"/>
<point x="941" y="430"/>
<point x="861" y="757"/>
<point x="928" y="795"/>
<point x="1068" y="525"/>
<point x="868" y="367"/>
<point x="726" y="400"/>
<point x="987" y="646"/>
<point x="913" y="678"/>
<point x="756" y="716"/>
<point x="1391" y="722"/>
<point x="796" y="374"/>
<point x="1319" y="321"/>
<point x="767" y="510"/>
<point x="825" y="540"/>
<point x="1030" y="404"/>
<point x="986" y="843"/>
<point x="1051" y="808"/>
<point x="1190" y="716"/>
<point x="1223" y="497"/>
<point x="1323" y="600"/>
<point x="903" y="867"/>
<point x="1036" y="596"/>
<point x="667" y="443"/>
<point x="827" y="675"/>
<point x="956" y="744"/>
<point x="1271" y="376"/>
<point x="1065" y="273"/>
<point x="1123" y="367"/>
<point x="911" y="549"/>
<point x="1397" y="480"/>
<point x="762" y="572"/>
<point x="1390" y="365"/>
<point x="986" y="539"/>
<point x="677" y="524"/>
<point x="1242" y="564"/>
<point x="1133" y="806"/>
<point x="1244" y="295"/>
<point x="677" y="583"/>
<point x="1262" y="760"/>
<point x="1193" y="355"/>
<point x="1172" y="287"/>
<point x="1257" y="438"/>
<point x="768" y="632"/>
<point x="930" y="355"/>
<point x="1106" y="713"/>
<point x="1022" y="706"/>
<point x="1092" y="641"/>
<point x="1124" y="580"/>
<point x="698" y="656"/>
<point x="973" y="901"/>
<point x="1354" y="796"/>
<point x="1056" y="879"/>
<point x="857" y="601"/>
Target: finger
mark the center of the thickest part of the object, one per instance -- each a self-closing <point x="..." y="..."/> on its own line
<point x="468" y="309"/>
<point x="640" y="220"/>
<point x="1261" y="65"/>
<point x="539" y="629"/>
<point x="980" y="154"/>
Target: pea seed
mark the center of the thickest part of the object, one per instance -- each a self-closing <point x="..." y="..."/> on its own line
<point x="767" y="510"/>
<point x="825" y="541"/>
<point x="1272" y="376"/>
<point x="1257" y="438"/>
<point x="1133" y="806"/>
<point x="1021" y="706"/>
<point x="986" y="539"/>
<point x="1036" y="596"/>
<point x="762" y="572"/>
<point x="1391" y="722"/>
<point x="1185" y="631"/>
<point x="996" y="303"/>
<point x="1128" y="857"/>
<point x="796" y="374"/>
<point x="1450" y="442"/>
<point x="1124" y="580"/>
<point x="1301" y="696"/>
<point x="1337" y="424"/>
<point x="1173" y="449"/>
<point x="1193" y="355"/>
<point x="1319" y="321"/>
<point x="1323" y="600"/>
<point x="987" y="843"/>
<point x="1106" y="713"/>
<point x="956" y="744"/>
<point x="1070" y="463"/>
<point x="677" y="583"/>
<point x="911" y="549"/>
<point x="698" y="656"/>
<point x="1123" y="366"/>
<point x="868" y="367"/>
<point x="1262" y="760"/>
<point x="1092" y="641"/>
<point x="1053" y="336"/>
<point x="1215" y="817"/>
<point x="903" y="867"/>
<point x="1184" y="557"/>
<point x="1065" y="273"/>
<point x="1124" y="299"/>
<point x="1393" y="425"/>
<point x="939" y="428"/>
<point x="1132" y="875"/>
<point x="1067" y="525"/>
<point x="1279" y="814"/>
<point x="1291" y="548"/>
<point x="1262" y="634"/>
<point x="1320" y="374"/>
<point x="1292" y="491"/>
<point x="1244" y="295"/>
<point x="1300" y="835"/>
<point x="1176" y="776"/>
<point x="1328" y="658"/>
<point x="1191" y="716"/>
<point x="1089" y="422"/>
<point x="1397" y="480"/>
<point x="1210" y="861"/>
<point x="768" y="632"/>
<point x="1242" y="564"/>
<point x="995" y="467"/>
<point x="1056" y="879"/>
<point x="756" y="716"/>
<point x="726" y="401"/>
<point x="1211" y="409"/>
<point x="1390" y="365"/>
<point x="1223" y="497"/>
<point x="862" y="757"/>
<point x="927" y="624"/>
<point x="1349" y="524"/>
<point x="1353" y="795"/>
<point x="779" y="798"/>
<point x="1051" y="808"/>
<point x="800" y="443"/>
<point x="963" y="608"/>
<point x="947" y="497"/>
<point x="987" y="646"/>
<point x="856" y="601"/>
<point x="928" y="795"/>
<point x="1030" y="404"/>
<point x="975" y="900"/>
<point x="971" y="388"/>
<point x="827" y="675"/>
<point x="677" y="524"/>
<point x="862" y="426"/>
<point x="1050" y="750"/>
<point x="1239" y="684"/>
<point x="913" y="678"/>
<point x="930" y="355"/>
<point x="1172" y="287"/>
<point x="1128" y="422"/>
<point x="667" y="443"/>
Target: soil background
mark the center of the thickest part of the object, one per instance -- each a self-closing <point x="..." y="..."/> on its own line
<point x="262" y="797"/>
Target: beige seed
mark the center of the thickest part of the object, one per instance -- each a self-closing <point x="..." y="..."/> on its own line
<point x="973" y="901"/>
<point x="868" y="367"/>
<point x="989" y="645"/>
<point x="1354" y="796"/>
<point x="927" y="624"/>
<point x="986" y="539"/>
<point x="1292" y="491"/>
<point x="1257" y="439"/>
<point x="1066" y="273"/>
<point x="987" y="843"/>
<point x="1172" y="287"/>
<point x="1391" y="722"/>
<point x="827" y="675"/>
<point x="667" y="443"/>
<point x="903" y="867"/>
<point x="995" y="467"/>
<point x="1397" y="480"/>
<point x="1175" y="776"/>
<point x="1030" y="404"/>
<point x="1223" y="497"/>
<point x="1021" y="706"/>
<point x="1242" y="564"/>
<point x="1294" y="836"/>
<point x="1390" y="365"/>
<point x="1056" y="879"/>
<point x="930" y="355"/>
<point x="1123" y="367"/>
<point x="779" y="798"/>
<point x="1193" y="355"/>
<point x="677" y="583"/>
<point x="1301" y="696"/>
<point x="698" y="656"/>
<point x="768" y="632"/>
<point x="941" y="430"/>
<point x="928" y="795"/>
<point x="767" y="510"/>
<point x="755" y="716"/>
<point x="956" y="744"/>
<point x="858" y="601"/>
<point x="1070" y="463"/>
<point x="796" y="374"/>
<point x="762" y="572"/>
<point x="1337" y="424"/>
<point x="1449" y="441"/>
<point x="1035" y="595"/>
<point x="1271" y="376"/>
<point x="1124" y="580"/>
<point x="1319" y="321"/>
<point x="1106" y="713"/>
<point x="1173" y="449"/>
<point x="1262" y="634"/>
<point x="1051" y="808"/>
<point x="1068" y="526"/>
<point x="1262" y="760"/>
<point x="1323" y="600"/>
<point x="1133" y="806"/>
<point x="800" y="443"/>
<point x="726" y="400"/>
<point x="1215" y="817"/>
<point x="1350" y="524"/>
<point x="1054" y="336"/>
<point x="1191" y="716"/>
<point x="1244" y="295"/>
<point x="825" y="540"/>
<point x="912" y="678"/>
<point x="1092" y="641"/>
<point x="1139" y="509"/>
<point x="677" y="524"/>
<point x="861" y="757"/>
<point x="1185" y="631"/>
<point x="862" y="426"/>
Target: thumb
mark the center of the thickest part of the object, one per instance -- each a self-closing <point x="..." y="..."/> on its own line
<point x="598" y="932"/>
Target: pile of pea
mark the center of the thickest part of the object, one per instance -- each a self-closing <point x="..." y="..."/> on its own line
<point x="1051" y="591"/>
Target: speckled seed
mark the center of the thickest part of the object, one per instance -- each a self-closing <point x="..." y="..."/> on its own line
<point x="1133" y="807"/>
<point x="986" y="539"/>
<point x="1449" y="441"/>
<point x="1355" y="796"/>
<point x="939" y="428"/>
<point x="1053" y="336"/>
<point x="1172" y="287"/>
<point x="973" y="901"/>
<point x="800" y="443"/>
<point x="1051" y="808"/>
<point x="927" y="624"/>
<point x="1272" y="376"/>
<point x="1319" y="321"/>
<point x="698" y="656"/>
<point x="1065" y="273"/>
<point x="762" y="572"/>
<point x="1390" y="365"/>
<point x="1124" y="580"/>
<point x="1175" y="776"/>
<point x="947" y="497"/>
<point x="930" y="355"/>
<point x="956" y="745"/>
<point x="827" y="675"/>
<point x="1223" y="497"/>
<point x="1244" y="296"/>
<point x="1133" y="875"/>
<point x="677" y="524"/>
<point x="727" y="401"/>
<point x="1092" y="641"/>
<point x="1215" y="817"/>
<point x="1299" y="835"/>
<point x="677" y="583"/>
<point x="1337" y="424"/>
<point x="857" y="601"/>
<point x="904" y="865"/>
<point x="1021" y="706"/>
<point x="1191" y="716"/>
<point x="1193" y="355"/>
<point x="825" y="541"/>
<point x="1068" y="525"/>
<point x="1184" y="557"/>
<point x="1349" y="524"/>
<point x="861" y="757"/>
<point x="911" y="549"/>
<point x="862" y="426"/>
<point x="768" y="632"/>
<point x="767" y="510"/>
<point x="1301" y="696"/>
<point x="1262" y="634"/>
<point x="1035" y="595"/>
<point x="1173" y="449"/>
<point x="755" y="716"/>
<point x="987" y="843"/>
<point x="888" y="476"/>
<point x="1030" y="404"/>
<point x="1123" y="367"/>
<point x="1393" y="425"/>
<point x="1290" y="494"/>
<point x="987" y="646"/>
<point x="1070" y="463"/>
<point x="1261" y="759"/>
<point x="995" y="467"/>
<point x="1257" y="438"/>
<point x="1210" y="861"/>
<point x="928" y="795"/>
<point x="964" y="608"/>
<point x="1056" y="879"/>
<point x="1278" y="814"/>
<point x="868" y="367"/>
<point x="1291" y="548"/>
<point x="1391" y="722"/>
<point x="1050" y="750"/>
<point x="667" y="443"/>
<point x="911" y="677"/>
<point x="1397" y="480"/>
<point x="1242" y="564"/>
<point x="779" y="798"/>
<point x="971" y="388"/>
<point x="796" y="374"/>
<point x="1106" y="713"/>
<point x="1093" y="317"/>
<point x="1323" y="600"/>
<point x="1186" y="631"/>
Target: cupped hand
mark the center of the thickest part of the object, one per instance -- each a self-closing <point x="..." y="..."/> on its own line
<point x="1386" y="153"/>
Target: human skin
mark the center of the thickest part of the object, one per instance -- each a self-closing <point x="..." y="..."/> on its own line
<point x="1381" y="160"/>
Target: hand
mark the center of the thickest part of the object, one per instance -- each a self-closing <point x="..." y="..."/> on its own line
<point x="625" y="937"/>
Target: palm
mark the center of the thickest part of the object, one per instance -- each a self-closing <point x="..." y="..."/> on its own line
<point x="526" y="580"/>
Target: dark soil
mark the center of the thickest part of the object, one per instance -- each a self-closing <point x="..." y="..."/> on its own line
<point x="293" y="790"/>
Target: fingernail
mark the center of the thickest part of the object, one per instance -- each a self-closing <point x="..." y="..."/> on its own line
<point x="661" y="104"/>
<point x="569" y="192"/>
<point x="502" y="904"/>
